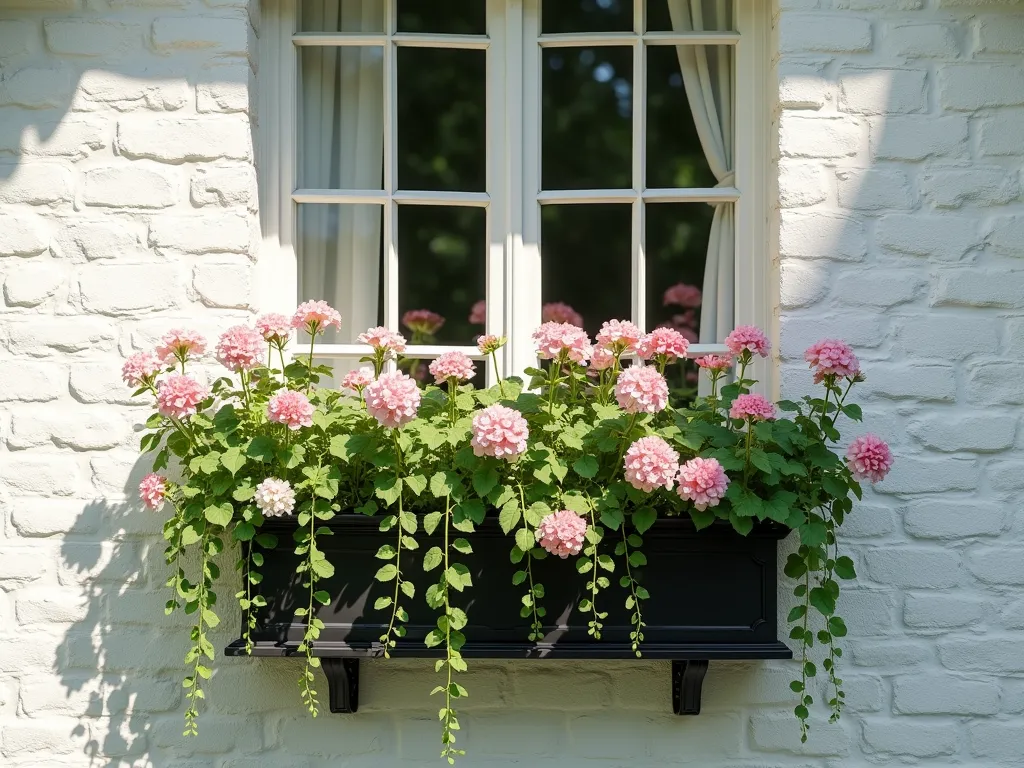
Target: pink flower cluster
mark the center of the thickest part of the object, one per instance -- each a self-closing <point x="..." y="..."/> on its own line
<point x="702" y="481"/>
<point x="315" y="317"/>
<point x="715" y="363"/>
<point x="641" y="389"/>
<point x="562" y="533"/>
<point x="830" y="357"/>
<point x="560" y="312"/>
<point x="452" y="365"/>
<point x="601" y="359"/>
<point x="357" y="380"/>
<point x="748" y="337"/>
<point x="490" y="343"/>
<point x="869" y="458"/>
<point x="666" y="343"/>
<point x="139" y="369"/>
<point x="422" y="321"/>
<point x="393" y="399"/>
<point x="275" y="498"/>
<point x="273" y="328"/>
<point x="555" y="339"/>
<point x="682" y="295"/>
<point x="178" y="395"/>
<point x="180" y="344"/>
<point x="478" y="314"/>
<point x="383" y="340"/>
<point x="499" y="431"/>
<point x="619" y="336"/>
<point x="153" y="490"/>
<point x="240" y="348"/>
<point x="753" y="407"/>
<point x="651" y="463"/>
<point x="290" y="408"/>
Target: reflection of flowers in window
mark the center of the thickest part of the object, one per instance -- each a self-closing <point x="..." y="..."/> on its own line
<point x="422" y="321"/>
<point x="478" y="315"/>
<point x="682" y="295"/>
<point x="560" y="312"/>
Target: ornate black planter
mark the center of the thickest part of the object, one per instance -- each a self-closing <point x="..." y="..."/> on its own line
<point x="713" y="596"/>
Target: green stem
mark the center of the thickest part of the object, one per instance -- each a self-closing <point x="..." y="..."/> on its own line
<point x="494" y="362"/>
<point x="386" y="637"/>
<point x="195" y="692"/>
<point x="746" y="463"/>
<point x="552" y="383"/>
<point x="535" y="627"/>
<point x="637" y="615"/>
<point x="309" y="363"/>
<point x="280" y="354"/>
<point x="622" y="450"/>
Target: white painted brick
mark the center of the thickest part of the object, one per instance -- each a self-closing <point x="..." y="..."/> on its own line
<point x="968" y="87"/>
<point x="224" y="186"/>
<point x="85" y="429"/>
<point x="979" y="288"/>
<point x="999" y="34"/>
<point x="931" y="610"/>
<point x="780" y="733"/>
<point x="906" y="382"/>
<point x="798" y="332"/>
<point x="869" y="521"/>
<point x="880" y="91"/>
<point x="43" y="605"/>
<point x="804" y="86"/>
<point x="953" y="520"/>
<point x="98" y="37"/>
<point x="908" y="737"/>
<point x="888" y="655"/>
<point x="921" y="568"/>
<point x="68" y="138"/>
<point x="27" y="382"/>
<point x="914" y="475"/>
<point x="992" y="655"/>
<point x="41" y="5"/>
<point x="832" y="33"/>
<point x="1007" y="236"/>
<point x="23" y="235"/>
<point x="822" y="236"/>
<point x="185" y="139"/>
<point x="48" y="517"/>
<point x="18" y="36"/>
<point x="35" y="183"/>
<point x="102" y="238"/>
<point x="224" y="285"/>
<point x="53" y="336"/>
<point x="995" y="565"/>
<point x="867" y="611"/>
<point x="98" y="89"/>
<point x="952" y="188"/>
<point x="26" y="737"/>
<point x="987" y="383"/>
<point x="874" y="189"/>
<point x="802" y="283"/>
<point x="924" y="40"/>
<point x="116" y="474"/>
<point x="1006" y="475"/>
<point x="227" y="92"/>
<point x="999" y="133"/>
<point x="948" y="336"/>
<point x="127" y="289"/>
<point x="130" y="185"/>
<point x="38" y="87"/>
<point x="944" y="695"/>
<point x="101" y="383"/>
<point x="819" y="136"/>
<point x="965" y="432"/>
<point x="917" y="137"/>
<point x="208" y="233"/>
<point x="879" y="288"/>
<point x="874" y="5"/>
<point x="30" y="284"/>
<point x="21" y="565"/>
<point x="996" y="740"/>
<point x="946" y="237"/>
<point x="226" y="36"/>
<point x="40" y="474"/>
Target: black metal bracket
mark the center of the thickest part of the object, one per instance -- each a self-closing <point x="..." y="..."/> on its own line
<point x="342" y="684"/>
<point x="687" y="680"/>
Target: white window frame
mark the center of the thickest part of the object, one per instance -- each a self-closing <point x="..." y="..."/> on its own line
<point x="514" y="198"/>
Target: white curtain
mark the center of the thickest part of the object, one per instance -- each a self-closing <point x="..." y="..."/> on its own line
<point x="342" y="147"/>
<point x="708" y="80"/>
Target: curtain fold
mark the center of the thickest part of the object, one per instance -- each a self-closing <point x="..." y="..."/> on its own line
<point x="708" y="79"/>
<point x="342" y="147"/>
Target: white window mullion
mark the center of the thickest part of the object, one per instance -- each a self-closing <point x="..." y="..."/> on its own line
<point x="390" y="228"/>
<point x="497" y="181"/>
<point x="638" y="240"/>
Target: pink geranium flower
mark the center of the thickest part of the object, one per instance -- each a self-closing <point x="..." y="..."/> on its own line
<point x="682" y="295"/>
<point x="753" y="407"/>
<point x="499" y="431"/>
<point x="830" y="357"/>
<point x="290" y="408"/>
<point x="619" y="336"/>
<point x="383" y="340"/>
<point x="315" y="317"/>
<point x="664" y="343"/>
<point x="478" y="314"/>
<point x="602" y="359"/>
<point x="180" y="344"/>
<point x="178" y="396"/>
<point x="274" y="328"/>
<point x="140" y="369"/>
<point x="553" y="340"/>
<point x="702" y="481"/>
<point x="560" y="312"/>
<point x="357" y="380"/>
<point x="562" y="533"/>
<point x="422" y="321"/>
<point x="153" y="490"/>
<point x="393" y="399"/>
<point x="452" y="365"/>
<point x="641" y="389"/>
<point x="748" y="337"/>
<point x="869" y="458"/>
<point x="275" y="498"/>
<point x="715" y="363"/>
<point x="240" y="348"/>
<point x="651" y="463"/>
<point x="490" y="343"/>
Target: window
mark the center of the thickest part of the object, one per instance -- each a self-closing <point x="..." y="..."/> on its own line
<point x="490" y="160"/>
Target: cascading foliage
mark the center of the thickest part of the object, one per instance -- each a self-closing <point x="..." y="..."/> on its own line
<point x="579" y="463"/>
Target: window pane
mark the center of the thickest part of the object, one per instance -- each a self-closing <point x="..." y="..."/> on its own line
<point x="442" y="268"/>
<point x="715" y="16"/>
<point x="453" y="17"/>
<point x="675" y="157"/>
<point x="586" y="16"/>
<point x="339" y="251"/>
<point x="677" y="247"/>
<point x="587" y="118"/>
<point x="585" y="261"/>
<point x="341" y="16"/>
<point x="442" y="119"/>
<point x="341" y="120"/>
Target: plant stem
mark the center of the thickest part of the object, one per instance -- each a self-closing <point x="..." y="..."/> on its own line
<point x="552" y="383"/>
<point x="280" y="354"/>
<point x="535" y="628"/>
<point x="637" y="615"/>
<point x="625" y="434"/>
<point x="386" y="637"/>
<point x="446" y="750"/>
<point x="309" y="364"/>
<point x="195" y="692"/>
<point x="494" y="361"/>
<point x="746" y="463"/>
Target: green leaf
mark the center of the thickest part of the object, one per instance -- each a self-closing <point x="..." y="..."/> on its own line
<point x="471" y="509"/>
<point x="845" y="569"/>
<point x="463" y="546"/>
<point x="484" y="480"/>
<point x="322" y="596"/>
<point x="387" y="487"/>
<point x="443" y="484"/>
<point x="219" y="514"/>
<point x="382" y="602"/>
<point x="606" y="562"/>
<point x="525" y="540"/>
<point x="644" y="518"/>
<point x="430" y="522"/>
<point x="233" y="460"/>
<point x="585" y="466"/>
<point x="408" y="521"/>
<point x="748" y="505"/>
<point x="742" y="525"/>
<point x="636" y="559"/>
<point x="244" y="531"/>
<point x="837" y="626"/>
<point x="386" y="572"/>
<point x="432" y="558"/>
<point x="266" y="540"/>
<point x="509" y="516"/>
<point x="434" y="638"/>
<point x="797" y="613"/>
<point x="322" y="568"/>
<point x="702" y="519"/>
<point x="386" y="552"/>
<point x="457" y="618"/>
<point x="416" y="483"/>
<point x="189" y="536"/>
<point x="822" y="601"/>
<point x="292" y="456"/>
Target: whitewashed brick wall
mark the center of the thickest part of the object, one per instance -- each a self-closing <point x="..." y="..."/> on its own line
<point x="127" y="204"/>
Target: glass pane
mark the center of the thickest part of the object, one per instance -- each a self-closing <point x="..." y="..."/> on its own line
<point x="442" y="270"/>
<point x="714" y="16"/>
<point x="442" y="119"/>
<point x="585" y="262"/>
<point x="586" y="16"/>
<point x="340" y="256"/>
<point x="675" y="157"/>
<point x="341" y="120"/>
<point x="587" y="118"/>
<point x="677" y="248"/>
<point x="341" y="16"/>
<point x="453" y="17"/>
